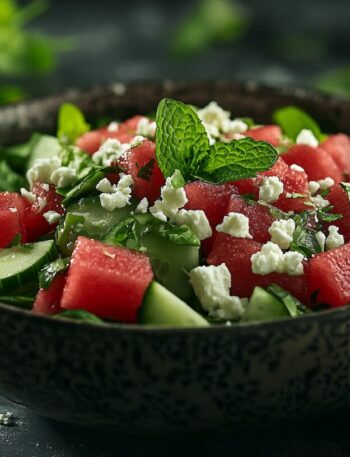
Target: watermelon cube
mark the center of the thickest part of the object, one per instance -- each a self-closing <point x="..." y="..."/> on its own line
<point x="259" y="216"/>
<point x="338" y="147"/>
<point x="213" y="200"/>
<point x="46" y="200"/>
<point x="339" y="199"/>
<point x="236" y="254"/>
<point x="48" y="301"/>
<point x="11" y="218"/>
<point x="270" y="133"/>
<point x="328" y="277"/>
<point x="317" y="163"/>
<point x="108" y="281"/>
<point x="140" y="162"/>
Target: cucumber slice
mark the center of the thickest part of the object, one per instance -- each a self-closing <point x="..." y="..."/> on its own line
<point x="161" y="307"/>
<point x="170" y="262"/>
<point x="97" y="220"/>
<point x="19" y="265"/>
<point x="263" y="307"/>
<point x="44" y="147"/>
<point x="87" y="217"/>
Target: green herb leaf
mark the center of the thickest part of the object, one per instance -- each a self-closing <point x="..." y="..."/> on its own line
<point x="293" y="305"/>
<point x="18" y="300"/>
<point x="292" y="120"/>
<point x="79" y="315"/>
<point x="238" y="159"/>
<point x="16" y="240"/>
<point x="73" y="157"/>
<point x="10" y="181"/>
<point x="85" y="186"/>
<point x="68" y="231"/>
<point x="181" y="139"/>
<point x="146" y="171"/>
<point x="71" y="123"/>
<point x="177" y="180"/>
<point x="130" y="231"/>
<point x="48" y="273"/>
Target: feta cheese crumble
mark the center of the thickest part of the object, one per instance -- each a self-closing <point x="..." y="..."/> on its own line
<point x="296" y="167"/>
<point x="28" y="195"/>
<point x="63" y="177"/>
<point x="118" y="195"/>
<point x="270" y="189"/>
<point x="281" y="232"/>
<point x="113" y="127"/>
<point x="214" y="115"/>
<point x="42" y="202"/>
<point x="211" y="284"/>
<point x="110" y="151"/>
<point x="52" y="217"/>
<point x="326" y="183"/>
<point x="142" y="207"/>
<point x="321" y="240"/>
<point x="334" y="238"/>
<point x="319" y="202"/>
<point x="196" y="220"/>
<point x="271" y="259"/>
<point x="172" y="199"/>
<point x="313" y="187"/>
<point x="235" y="224"/>
<point x="105" y="186"/>
<point x="42" y="170"/>
<point x="146" y="128"/>
<point x="232" y="127"/>
<point x="306" y="137"/>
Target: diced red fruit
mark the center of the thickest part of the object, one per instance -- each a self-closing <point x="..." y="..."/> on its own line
<point x="90" y="142"/>
<point x="329" y="277"/>
<point x="35" y="223"/>
<point x="294" y="182"/>
<point x="236" y="254"/>
<point x="140" y="162"/>
<point x="338" y="147"/>
<point x="270" y="133"/>
<point x="339" y="199"/>
<point x="130" y="125"/>
<point x="213" y="200"/>
<point x="317" y="163"/>
<point x="259" y="216"/>
<point x="49" y="301"/>
<point x="247" y="186"/>
<point x="108" y="281"/>
<point x="11" y="218"/>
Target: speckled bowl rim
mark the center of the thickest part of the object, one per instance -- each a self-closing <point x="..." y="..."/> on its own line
<point x="298" y="93"/>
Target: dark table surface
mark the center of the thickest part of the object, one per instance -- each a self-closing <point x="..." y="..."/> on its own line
<point x="36" y="436"/>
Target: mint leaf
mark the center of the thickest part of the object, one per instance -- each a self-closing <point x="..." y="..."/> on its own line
<point x="71" y="123"/>
<point x="146" y="171"/>
<point x="237" y="160"/>
<point x="182" y="144"/>
<point x="292" y="120"/>
<point x="177" y="180"/>
<point x="181" y="139"/>
<point x="48" y="273"/>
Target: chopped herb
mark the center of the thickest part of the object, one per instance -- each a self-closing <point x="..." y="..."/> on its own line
<point x="50" y="271"/>
<point x="146" y="171"/>
<point x="293" y="305"/>
<point x="79" y="315"/>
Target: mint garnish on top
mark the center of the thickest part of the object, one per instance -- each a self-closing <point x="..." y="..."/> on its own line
<point x="182" y="144"/>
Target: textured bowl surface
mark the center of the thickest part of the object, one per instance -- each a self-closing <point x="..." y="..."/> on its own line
<point x="146" y="379"/>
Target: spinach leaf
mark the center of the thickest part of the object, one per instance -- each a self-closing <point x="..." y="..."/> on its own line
<point x="293" y="119"/>
<point x="71" y="123"/>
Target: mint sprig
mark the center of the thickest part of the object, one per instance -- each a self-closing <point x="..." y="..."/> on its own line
<point x="182" y="144"/>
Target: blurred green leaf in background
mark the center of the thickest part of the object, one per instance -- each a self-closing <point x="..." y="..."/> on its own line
<point x="24" y="52"/>
<point x="209" y="22"/>
<point x="336" y="81"/>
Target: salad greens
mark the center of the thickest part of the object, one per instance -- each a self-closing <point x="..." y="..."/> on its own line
<point x="71" y="123"/>
<point x="293" y="119"/>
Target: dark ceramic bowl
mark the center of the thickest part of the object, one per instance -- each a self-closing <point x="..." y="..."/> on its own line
<point x="141" y="379"/>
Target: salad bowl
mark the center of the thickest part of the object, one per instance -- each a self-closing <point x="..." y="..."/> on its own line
<point x="145" y="379"/>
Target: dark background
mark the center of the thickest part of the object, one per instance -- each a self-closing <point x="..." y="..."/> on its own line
<point x="82" y="43"/>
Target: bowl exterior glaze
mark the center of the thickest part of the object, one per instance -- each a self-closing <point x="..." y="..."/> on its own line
<point x="144" y="379"/>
